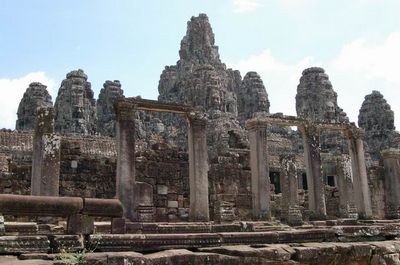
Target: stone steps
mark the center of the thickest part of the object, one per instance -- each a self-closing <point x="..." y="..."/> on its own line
<point x="327" y="253"/>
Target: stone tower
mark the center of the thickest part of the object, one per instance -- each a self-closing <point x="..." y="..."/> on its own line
<point x="35" y="96"/>
<point x="252" y="96"/>
<point x="316" y="100"/>
<point x="200" y="78"/>
<point x="109" y="94"/>
<point x="75" y="107"/>
<point x="377" y="119"/>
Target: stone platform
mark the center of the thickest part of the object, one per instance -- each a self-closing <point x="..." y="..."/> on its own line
<point x="323" y="242"/>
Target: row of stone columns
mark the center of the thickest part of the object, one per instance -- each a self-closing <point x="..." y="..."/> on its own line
<point x="136" y="197"/>
<point x="360" y="198"/>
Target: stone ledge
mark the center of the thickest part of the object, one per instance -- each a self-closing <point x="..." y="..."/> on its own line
<point x="23" y="244"/>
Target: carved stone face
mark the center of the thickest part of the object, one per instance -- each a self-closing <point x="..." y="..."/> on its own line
<point x="262" y="103"/>
<point x="330" y="110"/>
<point x="114" y="91"/>
<point x="215" y="100"/>
<point x="77" y="101"/>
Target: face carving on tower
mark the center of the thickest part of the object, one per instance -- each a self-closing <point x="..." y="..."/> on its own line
<point x="330" y="110"/>
<point x="77" y="101"/>
<point x="262" y="103"/>
<point x="215" y="100"/>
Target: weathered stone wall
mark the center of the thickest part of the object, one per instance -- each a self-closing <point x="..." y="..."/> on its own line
<point x="230" y="187"/>
<point x="87" y="167"/>
<point x="167" y="170"/>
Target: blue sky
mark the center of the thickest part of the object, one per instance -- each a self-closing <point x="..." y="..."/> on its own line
<point x="357" y="42"/>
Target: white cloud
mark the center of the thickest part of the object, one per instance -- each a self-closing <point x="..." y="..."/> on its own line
<point x="359" y="68"/>
<point x="280" y="79"/>
<point x="12" y="91"/>
<point x="244" y="6"/>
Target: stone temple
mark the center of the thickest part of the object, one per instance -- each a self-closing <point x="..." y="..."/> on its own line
<point x="206" y="174"/>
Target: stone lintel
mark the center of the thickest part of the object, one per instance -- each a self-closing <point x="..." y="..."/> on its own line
<point x="393" y="153"/>
<point x="255" y="124"/>
<point x="153" y="105"/>
<point x="284" y="120"/>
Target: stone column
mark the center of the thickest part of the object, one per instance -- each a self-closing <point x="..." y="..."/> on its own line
<point x="347" y="208"/>
<point x="125" y="137"/>
<point x="290" y="210"/>
<point x="362" y="197"/>
<point x="198" y="167"/>
<point x="2" y="229"/>
<point x="143" y="202"/>
<point x="312" y="158"/>
<point x="45" y="178"/>
<point x="260" y="185"/>
<point x="391" y="163"/>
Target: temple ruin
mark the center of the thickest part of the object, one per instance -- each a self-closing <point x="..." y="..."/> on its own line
<point x="203" y="175"/>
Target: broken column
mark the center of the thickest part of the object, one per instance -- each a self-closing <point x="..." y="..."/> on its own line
<point x="362" y="197"/>
<point x="347" y="208"/>
<point x="391" y="162"/>
<point x="143" y="202"/>
<point x="290" y="210"/>
<point x="198" y="167"/>
<point x="312" y="157"/>
<point x="260" y="185"/>
<point x="46" y="155"/>
<point x="125" y="137"/>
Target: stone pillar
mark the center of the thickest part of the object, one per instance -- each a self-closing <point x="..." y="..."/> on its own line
<point x="391" y="163"/>
<point x="45" y="178"/>
<point x="143" y="202"/>
<point x="198" y="167"/>
<point x="312" y="158"/>
<point x="260" y="185"/>
<point x="362" y="197"/>
<point x="2" y="229"/>
<point x="125" y="137"/>
<point x="290" y="210"/>
<point x="347" y="208"/>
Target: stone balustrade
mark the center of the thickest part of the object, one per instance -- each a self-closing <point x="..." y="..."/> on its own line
<point x="79" y="211"/>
